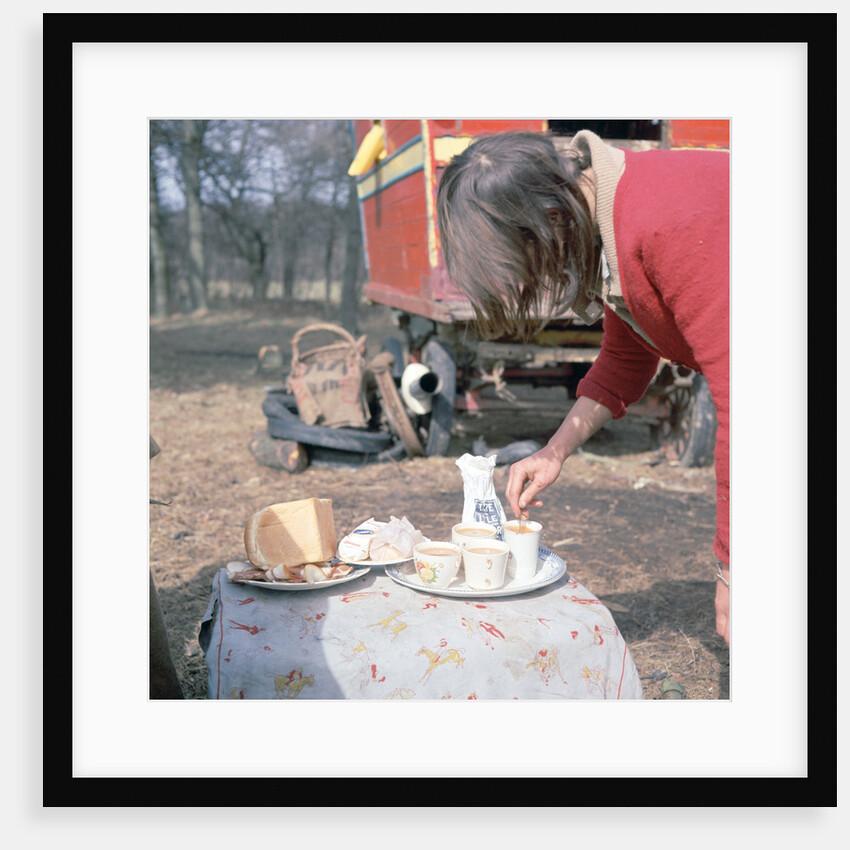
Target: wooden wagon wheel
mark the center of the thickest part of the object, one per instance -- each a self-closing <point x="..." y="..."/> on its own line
<point x="392" y="405"/>
<point x="691" y="428"/>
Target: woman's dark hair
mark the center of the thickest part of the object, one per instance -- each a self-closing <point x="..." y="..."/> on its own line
<point x="515" y="231"/>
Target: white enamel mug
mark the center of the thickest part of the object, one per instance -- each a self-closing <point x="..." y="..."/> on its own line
<point x="523" y="539"/>
<point x="437" y="563"/>
<point x="484" y="564"/>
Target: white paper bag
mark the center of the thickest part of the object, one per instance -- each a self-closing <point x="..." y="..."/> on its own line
<point x="480" y="502"/>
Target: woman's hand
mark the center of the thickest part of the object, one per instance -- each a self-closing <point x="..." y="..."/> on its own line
<point x="542" y="468"/>
<point x="721" y="604"/>
<point x="538" y="471"/>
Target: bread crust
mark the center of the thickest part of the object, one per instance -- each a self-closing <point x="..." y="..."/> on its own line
<point x="252" y="550"/>
<point x="291" y="533"/>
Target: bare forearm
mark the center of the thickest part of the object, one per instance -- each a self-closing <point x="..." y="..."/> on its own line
<point x="585" y="418"/>
<point x="535" y="473"/>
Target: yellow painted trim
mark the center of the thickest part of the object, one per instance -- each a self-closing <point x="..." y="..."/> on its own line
<point x="372" y="148"/>
<point x="429" y="197"/>
<point x="395" y="165"/>
<point x="445" y="147"/>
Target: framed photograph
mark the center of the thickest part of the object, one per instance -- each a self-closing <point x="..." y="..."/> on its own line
<point x="772" y="76"/>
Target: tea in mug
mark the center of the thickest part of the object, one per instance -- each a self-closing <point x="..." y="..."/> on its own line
<point x="521" y="529"/>
<point x="475" y="532"/>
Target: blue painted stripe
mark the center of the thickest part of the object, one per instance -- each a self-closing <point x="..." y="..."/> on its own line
<point x="391" y="181"/>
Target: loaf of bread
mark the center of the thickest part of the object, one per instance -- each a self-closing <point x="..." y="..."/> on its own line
<point x="291" y="533"/>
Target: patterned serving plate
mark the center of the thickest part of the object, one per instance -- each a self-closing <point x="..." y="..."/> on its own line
<point x="550" y="568"/>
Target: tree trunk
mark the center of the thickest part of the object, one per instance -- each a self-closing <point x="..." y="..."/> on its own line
<point x="259" y="278"/>
<point x="290" y="259"/>
<point x="329" y="248"/>
<point x="353" y="259"/>
<point x="191" y="175"/>
<point x="159" y="266"/>
<point x="329" y="254"/>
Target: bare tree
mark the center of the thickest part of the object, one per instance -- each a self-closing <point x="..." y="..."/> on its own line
<point x="159" y="263"/>
<point x="190" y="162"/>
<point x="333" y="220"/>
<point x="291" y="224"/>
<point x="342" y="153"/>
<point x="264" y="200"/>
<point x="312" y="160"/>
<point x="353" y="259"/>
<point x="239" y="194"/>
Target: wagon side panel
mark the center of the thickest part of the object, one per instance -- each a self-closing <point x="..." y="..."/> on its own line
<point x="398" y="133"/>
<point x="696" y="133"/>
<point x="394" y="215"/>
<point x="396" y="221"/>
<point x="446" y="138"/>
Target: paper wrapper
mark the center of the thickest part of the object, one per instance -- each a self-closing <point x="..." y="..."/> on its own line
<point x="355" y="546"/>
<point x="395" y="540"/>
<point x="373" y="540"/>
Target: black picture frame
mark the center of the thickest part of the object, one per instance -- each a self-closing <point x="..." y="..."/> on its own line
<point x="61" y="788"/>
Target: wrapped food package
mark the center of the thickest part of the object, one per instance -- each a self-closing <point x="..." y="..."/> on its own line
<point x="374" y="540"/>
<point x="395" y="540"/>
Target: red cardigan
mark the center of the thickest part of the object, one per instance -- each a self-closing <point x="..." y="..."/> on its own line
<point x="671" y="226"/>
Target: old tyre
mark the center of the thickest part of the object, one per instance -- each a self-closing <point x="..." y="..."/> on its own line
<point x="283" y="423"/>
<point x="691" y="428"/>
<point x="438" y="357"/>
<point x="333" y="459"/>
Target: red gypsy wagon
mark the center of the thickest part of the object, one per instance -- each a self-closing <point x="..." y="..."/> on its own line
<point x="445" y="369"/>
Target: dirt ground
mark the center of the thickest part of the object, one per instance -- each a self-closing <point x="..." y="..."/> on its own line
<point x="633" y="527"/>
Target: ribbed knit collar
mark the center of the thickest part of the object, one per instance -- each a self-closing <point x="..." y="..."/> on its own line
<point x="607" y="163"/>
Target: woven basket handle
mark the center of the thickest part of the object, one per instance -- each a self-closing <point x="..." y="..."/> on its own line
<point x="321" y="326"/>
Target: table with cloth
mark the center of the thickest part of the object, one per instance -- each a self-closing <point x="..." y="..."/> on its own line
<point x="374" y="638"/>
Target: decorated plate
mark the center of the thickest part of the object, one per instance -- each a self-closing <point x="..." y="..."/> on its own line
<point x="304" y="585"/>
<point x="550" y="567"/>
<point x="376" y="563"/>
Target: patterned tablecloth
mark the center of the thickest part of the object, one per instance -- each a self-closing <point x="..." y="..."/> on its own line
<point x="374" y="638"/>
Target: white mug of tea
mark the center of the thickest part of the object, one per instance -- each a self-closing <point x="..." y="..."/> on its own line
<point x="437" y="563"/>
<point x="484" y="564"/>
<point x="523" y="539"/>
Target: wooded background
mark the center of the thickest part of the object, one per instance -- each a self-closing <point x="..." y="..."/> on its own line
<point x="252" y="210"/>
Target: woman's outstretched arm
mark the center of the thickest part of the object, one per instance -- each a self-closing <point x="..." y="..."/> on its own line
<point x="536" y="472"/>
